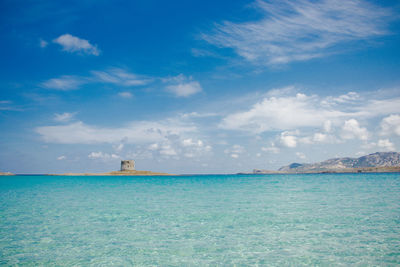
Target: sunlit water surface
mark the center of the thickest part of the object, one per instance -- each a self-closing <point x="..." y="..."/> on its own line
<point x="274" y="220"/>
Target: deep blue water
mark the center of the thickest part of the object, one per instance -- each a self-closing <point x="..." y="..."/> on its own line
<point x="272" y="220"/>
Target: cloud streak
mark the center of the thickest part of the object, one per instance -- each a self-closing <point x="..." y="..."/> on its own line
<point x="120" y="77"/>
<point x="64" y="83"/>
<point x="300" y="30"/>
<point x="115" y="76"/>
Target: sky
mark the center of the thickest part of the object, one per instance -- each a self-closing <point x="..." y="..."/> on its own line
<point x="196" y="86"/>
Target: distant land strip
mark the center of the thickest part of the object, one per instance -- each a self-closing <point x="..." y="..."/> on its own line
<point x="116" y="173"/>
<point x="375" y="162"/>
<point x="346" y="170"/>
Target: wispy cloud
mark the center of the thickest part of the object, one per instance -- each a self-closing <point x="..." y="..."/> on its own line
<point x="63" y="117"/>
<point x="8" y="105"/>
<point x="182" y="86"/>
<point x="134" y="133"/>
<point x="301" y="30"/>
<point x="75" y="44"/>
<point x="114" y="76"/>
<point x="43" y="43"/>
<point x="125" y="94"/>
<point x="119" y="77"/>
<point x="64" y="83"/>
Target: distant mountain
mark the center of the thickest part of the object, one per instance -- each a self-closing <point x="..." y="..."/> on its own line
<point x="378" y="159"/>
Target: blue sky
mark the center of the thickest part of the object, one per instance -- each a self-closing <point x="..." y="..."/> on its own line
<point x="196" y="86"/>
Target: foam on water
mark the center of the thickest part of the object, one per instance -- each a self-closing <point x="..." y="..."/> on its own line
<point x="274" y="220"/>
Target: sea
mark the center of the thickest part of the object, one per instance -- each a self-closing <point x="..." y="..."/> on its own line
<point x="201" y="220"/>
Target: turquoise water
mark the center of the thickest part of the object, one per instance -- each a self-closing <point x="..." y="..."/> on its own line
<point x="266" y="220"/>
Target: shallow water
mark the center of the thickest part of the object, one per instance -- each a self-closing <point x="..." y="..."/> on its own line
<point x="274" y="220"/>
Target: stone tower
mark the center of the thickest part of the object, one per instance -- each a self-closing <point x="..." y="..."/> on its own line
<point x="127" y="165"/>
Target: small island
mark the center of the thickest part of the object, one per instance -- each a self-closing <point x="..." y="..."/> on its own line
<point x="127" y="169"/>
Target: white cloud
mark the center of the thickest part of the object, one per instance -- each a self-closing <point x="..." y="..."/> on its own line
<point x="288" y="139"/>
<point x="103" y="156"/>
<point x="390" y="125"/>
<point x="378" y="107"/>
<point x="119" y="76"/>
<point x="324" y="138"/>
<point x="64" y="83"/>
<point x="235" y="151"/>
<point x="73" y="44"/>
<point x="327" y="126"/>
<point x="301" y="155"/>
<point x="115" y="76"/>
<point x="197" y="115"/>
<point x="360" y="153"/>
<point x="118" y="147"/>
<point x="190" y="142"/>
<point x="182" y="86"/>
<point x="272" y="149"/>
<point x="154" y="146"/>
<point x="43" y="43"/>
<point x="301" y="30"/>
<point x="63" y="117"/>
<point x="175" y="146"/>
<point x="281" y="113"/>
<point x="7" y="105"/>
<point x="299" y="111"/>
<point x="125" y="94"/>
<point x="352" y="130"/>
<point x="168" y="150"/>
<point x="386" y="145"/>
<point x="320" y="137"/>
<point x="135" y="132"/>
<point x="346" y="98"/>
<point x="61" y="157"/>
<point x="194" y="148"/>
<point x="238" y="149"/>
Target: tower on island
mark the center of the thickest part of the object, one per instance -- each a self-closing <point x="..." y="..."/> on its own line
<point x="127" y="165"/>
